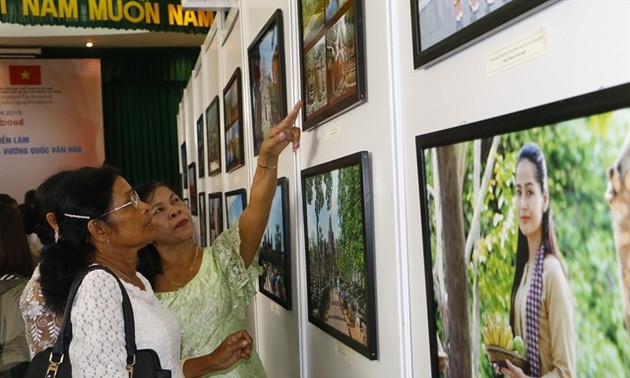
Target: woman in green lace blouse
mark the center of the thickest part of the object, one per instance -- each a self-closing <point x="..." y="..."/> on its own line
<point x="209" y="289"/>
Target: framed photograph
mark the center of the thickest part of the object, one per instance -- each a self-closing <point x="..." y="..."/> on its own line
<point x="442" y="28"/>
<point x="184" y="165"/>
<point x="233" y="118"/>
<point x="215" y="215"/>
<point x="267" y="77"/>
<point x="480" y="181"/>
<point x="275" y="250"/>
<point x="339" y="245"/>
<point x="203" y="236"/>
<point x="201" y="153"/>
<point x="332" y="59"/>
<point x="235" y="203"/>
<point x="213" y="133"/>
<point x="192" y="188"/>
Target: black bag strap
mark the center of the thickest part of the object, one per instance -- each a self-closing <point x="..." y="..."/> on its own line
<point x="65" y="335"/>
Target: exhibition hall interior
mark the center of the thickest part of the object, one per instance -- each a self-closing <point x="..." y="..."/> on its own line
<point x="450" y="199"/>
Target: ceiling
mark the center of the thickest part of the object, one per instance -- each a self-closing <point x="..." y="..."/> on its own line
<point x="12" y="35"/>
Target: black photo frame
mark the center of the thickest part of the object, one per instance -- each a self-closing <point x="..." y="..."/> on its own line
<point x="192" y="188"/>
<point x="435" y="38"/>
<point x="213" y="134"/>
<point x="201" y="153"/>
<point x="332" y="69"/>
<point x="267" y="78"/>
<point x="233" y="122"/>
<point x="184" y="160"/>
<point x="581" y="137"/>
<point x="203" y="234"/>
<point x="275" y="249"/>
<point x="235" y="203"/>
<point x="339" y="245"/>
<point x="215" y="215"/>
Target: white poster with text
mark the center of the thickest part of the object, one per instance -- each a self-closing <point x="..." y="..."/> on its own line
<point x="51" y="118"/>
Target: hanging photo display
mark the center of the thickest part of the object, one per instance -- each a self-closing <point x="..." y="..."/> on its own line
<point x="332" y="59"/>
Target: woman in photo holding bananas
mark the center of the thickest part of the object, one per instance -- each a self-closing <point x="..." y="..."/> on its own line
<point x="541" y="303"/>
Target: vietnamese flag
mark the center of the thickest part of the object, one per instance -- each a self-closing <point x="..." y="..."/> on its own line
<point x="25" y="75"/>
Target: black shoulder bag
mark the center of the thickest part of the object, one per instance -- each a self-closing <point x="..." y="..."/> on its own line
<point x="55" y="361"/>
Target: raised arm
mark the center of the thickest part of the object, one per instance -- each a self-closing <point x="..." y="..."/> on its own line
<point x="253" y="221"/>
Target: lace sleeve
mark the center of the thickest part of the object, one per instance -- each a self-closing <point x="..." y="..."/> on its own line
<point x="98" y="345"/>
<point x="240" y="279"/>
<point x="42" y="324"/>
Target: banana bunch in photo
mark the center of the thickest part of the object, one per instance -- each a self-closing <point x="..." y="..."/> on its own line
<point x="497" y="332"/>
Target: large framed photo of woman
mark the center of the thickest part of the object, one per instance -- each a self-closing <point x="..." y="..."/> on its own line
<point x="275" y="249"/>
<point x="339" y="247"/>
<point x="213" y="133"/>
<point x="332" y="59"/>
<point x="267" y="78"/>
<point x="521" y="217"/>
<point x="442" y="28"/>
<point x="233" y="122"/>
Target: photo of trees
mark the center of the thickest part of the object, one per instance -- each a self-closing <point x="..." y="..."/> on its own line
<point x="338" y="238"/>
<point x="579" y="153"/>
<point x="275" y="250"/>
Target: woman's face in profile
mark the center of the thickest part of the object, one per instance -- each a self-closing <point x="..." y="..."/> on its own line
<point x="170" y="216"/>
<point x="132" y="225"/>
<point x="529" y="200"/>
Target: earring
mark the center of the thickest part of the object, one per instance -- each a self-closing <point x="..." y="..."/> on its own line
<point x="107" y="241"/>
<point x="56" y="235"/>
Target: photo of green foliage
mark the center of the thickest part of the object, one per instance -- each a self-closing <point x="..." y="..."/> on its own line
<point x="339" y="245"/>
<point x="275" y="249"/>
<point x="579" y="152"/>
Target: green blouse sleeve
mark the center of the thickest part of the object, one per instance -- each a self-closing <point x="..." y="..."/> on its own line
<point x="239" y="279"/>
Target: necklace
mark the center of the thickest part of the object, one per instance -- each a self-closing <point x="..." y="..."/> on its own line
<point x="180" y="284"/>
<point x="121" y="273"/>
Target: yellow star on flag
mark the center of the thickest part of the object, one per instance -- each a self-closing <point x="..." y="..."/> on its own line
<point x="25" y="75"/>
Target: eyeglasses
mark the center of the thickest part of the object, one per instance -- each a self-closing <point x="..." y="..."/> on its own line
<point x="134" y="200"/>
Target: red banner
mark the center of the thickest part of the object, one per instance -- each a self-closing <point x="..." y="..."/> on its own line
<point x="25" y="75"/>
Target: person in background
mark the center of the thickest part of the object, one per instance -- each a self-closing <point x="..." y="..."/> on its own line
<point x="209" y="289"/>
<point x="29" y="222"/>
<point x="8" y="200"/>
<point x="541" y="305"/>
<point x="16" y="266"/>
<point x="29" y="197"/>
<point x="29" y="219"/>
<point x="98" y="219"/>
<point x="43" y="325"/>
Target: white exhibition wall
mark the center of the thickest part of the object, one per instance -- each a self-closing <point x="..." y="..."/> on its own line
<point x="588" y="48"/>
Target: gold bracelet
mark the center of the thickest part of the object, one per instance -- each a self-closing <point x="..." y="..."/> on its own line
<point x="266" y="167"/>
